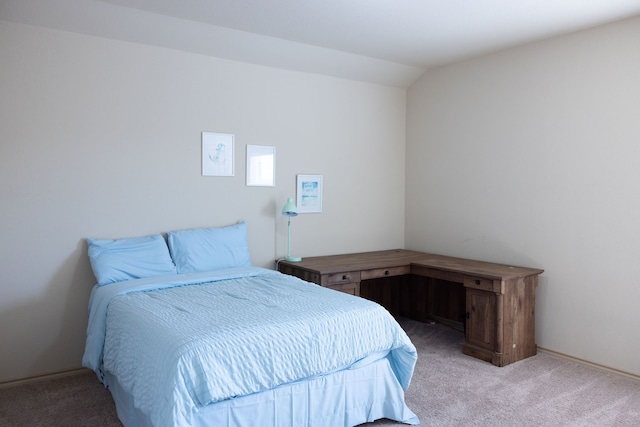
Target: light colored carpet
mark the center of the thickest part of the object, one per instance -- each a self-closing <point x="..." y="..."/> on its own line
<point x="77" y="400"/>
<point x="448" y="389"/>
<point x="451" y="389"/>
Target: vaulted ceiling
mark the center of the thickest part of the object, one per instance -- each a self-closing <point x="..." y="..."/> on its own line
<point x="382" y="41"/>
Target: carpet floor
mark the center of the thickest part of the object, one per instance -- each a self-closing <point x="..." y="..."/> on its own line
<point x="448" y="389"/>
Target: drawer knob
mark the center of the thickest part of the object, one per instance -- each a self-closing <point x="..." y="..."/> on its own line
<point x="477" y="282"/>
<point x="386" y="272"/>
<point x="345" y="276"/>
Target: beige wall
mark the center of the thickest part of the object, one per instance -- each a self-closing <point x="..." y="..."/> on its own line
<point x="528" y="156"/>
<point x="531" y="156"/>
<point x="101" y="138"/>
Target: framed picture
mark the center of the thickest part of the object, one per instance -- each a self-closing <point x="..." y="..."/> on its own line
<point x="309" y="193"/>
<point x="261" y="166"/>
<point x="217" y="154"/>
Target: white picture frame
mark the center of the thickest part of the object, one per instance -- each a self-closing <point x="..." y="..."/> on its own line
<point x="309" y="193"/>
<point x="261" y="166"/>
<point x="218" y="154"/>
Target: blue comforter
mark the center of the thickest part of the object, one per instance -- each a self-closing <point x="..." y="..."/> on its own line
<point x="185" y="341"/>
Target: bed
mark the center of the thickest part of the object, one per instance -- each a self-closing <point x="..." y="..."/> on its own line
<point x="186" y="332"/>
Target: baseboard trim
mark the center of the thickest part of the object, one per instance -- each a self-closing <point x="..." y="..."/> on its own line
<point x="78" y="371"/>
<point x="38" y="378"/>
<point x="591" y="364"/>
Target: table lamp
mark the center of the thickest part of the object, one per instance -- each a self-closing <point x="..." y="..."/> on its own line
<point x="290" y="210"/>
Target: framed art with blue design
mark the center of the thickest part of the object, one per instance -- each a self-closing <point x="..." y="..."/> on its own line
<point x="217" y="154"/>
<point x="309" y="193"/>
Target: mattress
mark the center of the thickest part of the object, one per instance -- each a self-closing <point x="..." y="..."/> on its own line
<point x="175" y="348"/>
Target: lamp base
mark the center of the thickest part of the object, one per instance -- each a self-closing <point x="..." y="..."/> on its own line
<point x="293" y="258"/>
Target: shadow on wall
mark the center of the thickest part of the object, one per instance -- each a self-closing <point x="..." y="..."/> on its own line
<point x="47" y="334"/>
<point x="488" y="249"/>
<point x="71" y="285"/>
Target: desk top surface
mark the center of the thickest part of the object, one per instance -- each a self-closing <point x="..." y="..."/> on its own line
<point x="400" y="257"/>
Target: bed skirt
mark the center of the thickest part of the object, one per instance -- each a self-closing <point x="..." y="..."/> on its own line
<point x="359" y="394"/>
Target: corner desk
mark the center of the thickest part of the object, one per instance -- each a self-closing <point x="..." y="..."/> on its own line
<point x="494" y="304"/>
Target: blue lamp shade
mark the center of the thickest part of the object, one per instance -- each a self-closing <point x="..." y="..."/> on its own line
<point x="289" y="210"/>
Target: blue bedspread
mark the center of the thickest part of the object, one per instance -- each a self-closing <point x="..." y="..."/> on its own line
<point x="183" y="342"/>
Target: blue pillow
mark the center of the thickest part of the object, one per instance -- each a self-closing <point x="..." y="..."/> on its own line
<point x="208" y="249"/>
<point x="132" y="258"/>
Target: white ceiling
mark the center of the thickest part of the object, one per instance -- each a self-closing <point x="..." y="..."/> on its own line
<point x="383" y="41"/>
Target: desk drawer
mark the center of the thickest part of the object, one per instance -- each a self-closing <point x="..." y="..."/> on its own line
<point x="483" y="284"/>
<point x="309" y="276"/>
<point x="385" y="272"/>
<point x="347" y="288"/>
<point x="342" y="278"/>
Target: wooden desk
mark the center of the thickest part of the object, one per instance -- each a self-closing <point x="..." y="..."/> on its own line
<point x="499" y="300"/>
